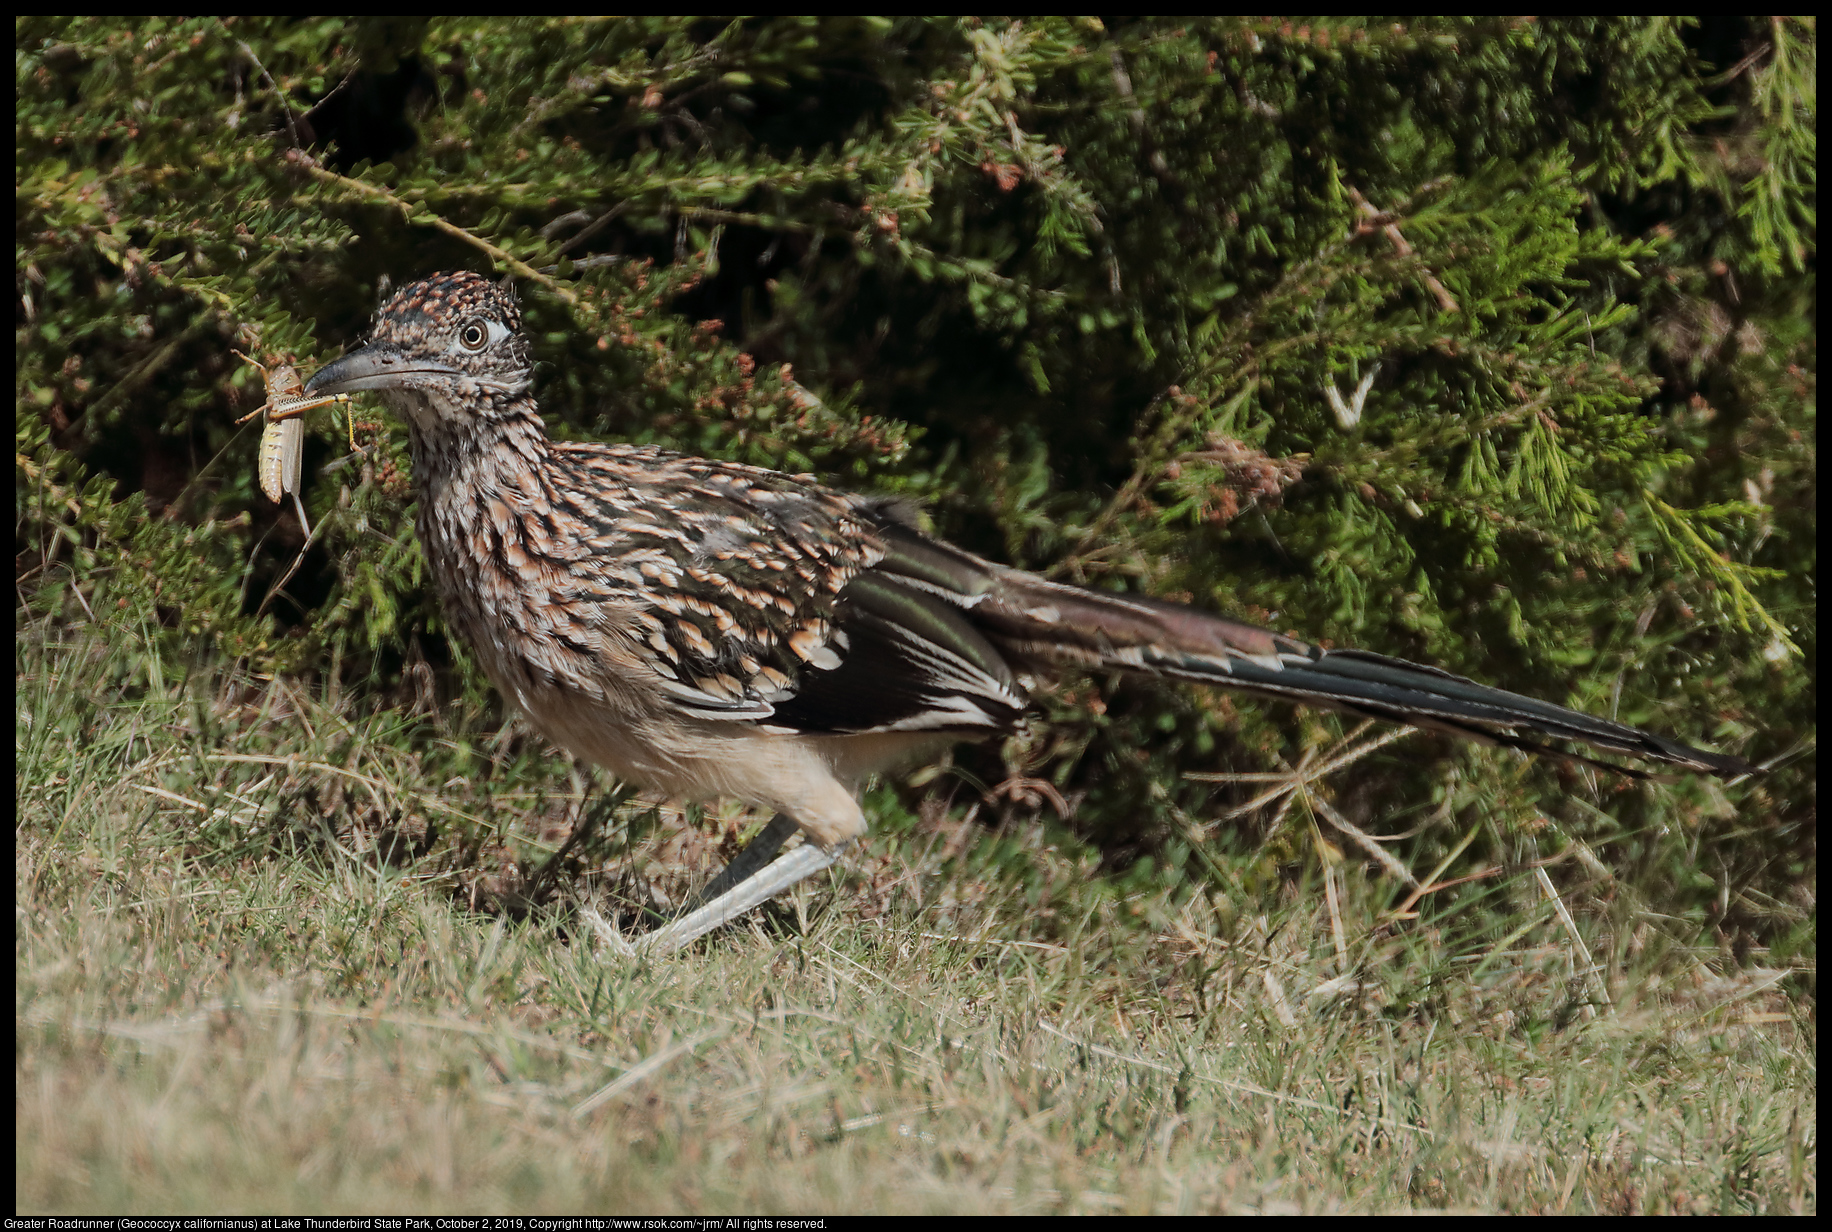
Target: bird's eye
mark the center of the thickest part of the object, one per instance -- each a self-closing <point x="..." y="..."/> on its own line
<point x="473" y="336"/>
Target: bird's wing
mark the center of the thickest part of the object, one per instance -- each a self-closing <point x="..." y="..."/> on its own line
<point x="752" y="595"/>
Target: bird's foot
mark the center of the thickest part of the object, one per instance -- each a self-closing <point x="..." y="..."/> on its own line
<point x="750" y="892"/>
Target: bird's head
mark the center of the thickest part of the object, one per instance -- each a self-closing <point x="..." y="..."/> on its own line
<point x="442" y="349"/>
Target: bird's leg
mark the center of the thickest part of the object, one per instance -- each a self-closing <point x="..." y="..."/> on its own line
<point x="758" y="853"/>
<point x="803" y="862"/>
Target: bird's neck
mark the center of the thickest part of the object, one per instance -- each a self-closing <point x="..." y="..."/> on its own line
<point x="482" y="477"/>
<point x="492" y="445"/>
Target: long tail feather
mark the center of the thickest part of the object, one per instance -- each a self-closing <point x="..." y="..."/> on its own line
<point x="1186" y="644"/>
<point x="1039" y="622"/>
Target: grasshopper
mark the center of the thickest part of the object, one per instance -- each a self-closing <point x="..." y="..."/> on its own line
<point x="283" y="437"/>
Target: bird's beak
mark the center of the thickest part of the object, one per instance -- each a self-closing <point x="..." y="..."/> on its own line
<point x="380" y="365"/>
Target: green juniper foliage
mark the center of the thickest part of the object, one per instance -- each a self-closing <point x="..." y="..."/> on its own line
<point x="1487" y="343"/>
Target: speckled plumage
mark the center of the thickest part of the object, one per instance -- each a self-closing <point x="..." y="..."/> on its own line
<point x="711" y="629"/>
<point x="675" y="619"/>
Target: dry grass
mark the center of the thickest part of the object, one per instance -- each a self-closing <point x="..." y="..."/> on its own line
<point x="227" y="1000"/>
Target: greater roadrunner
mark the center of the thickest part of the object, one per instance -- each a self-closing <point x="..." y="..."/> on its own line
<point x="708" y="629"/>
